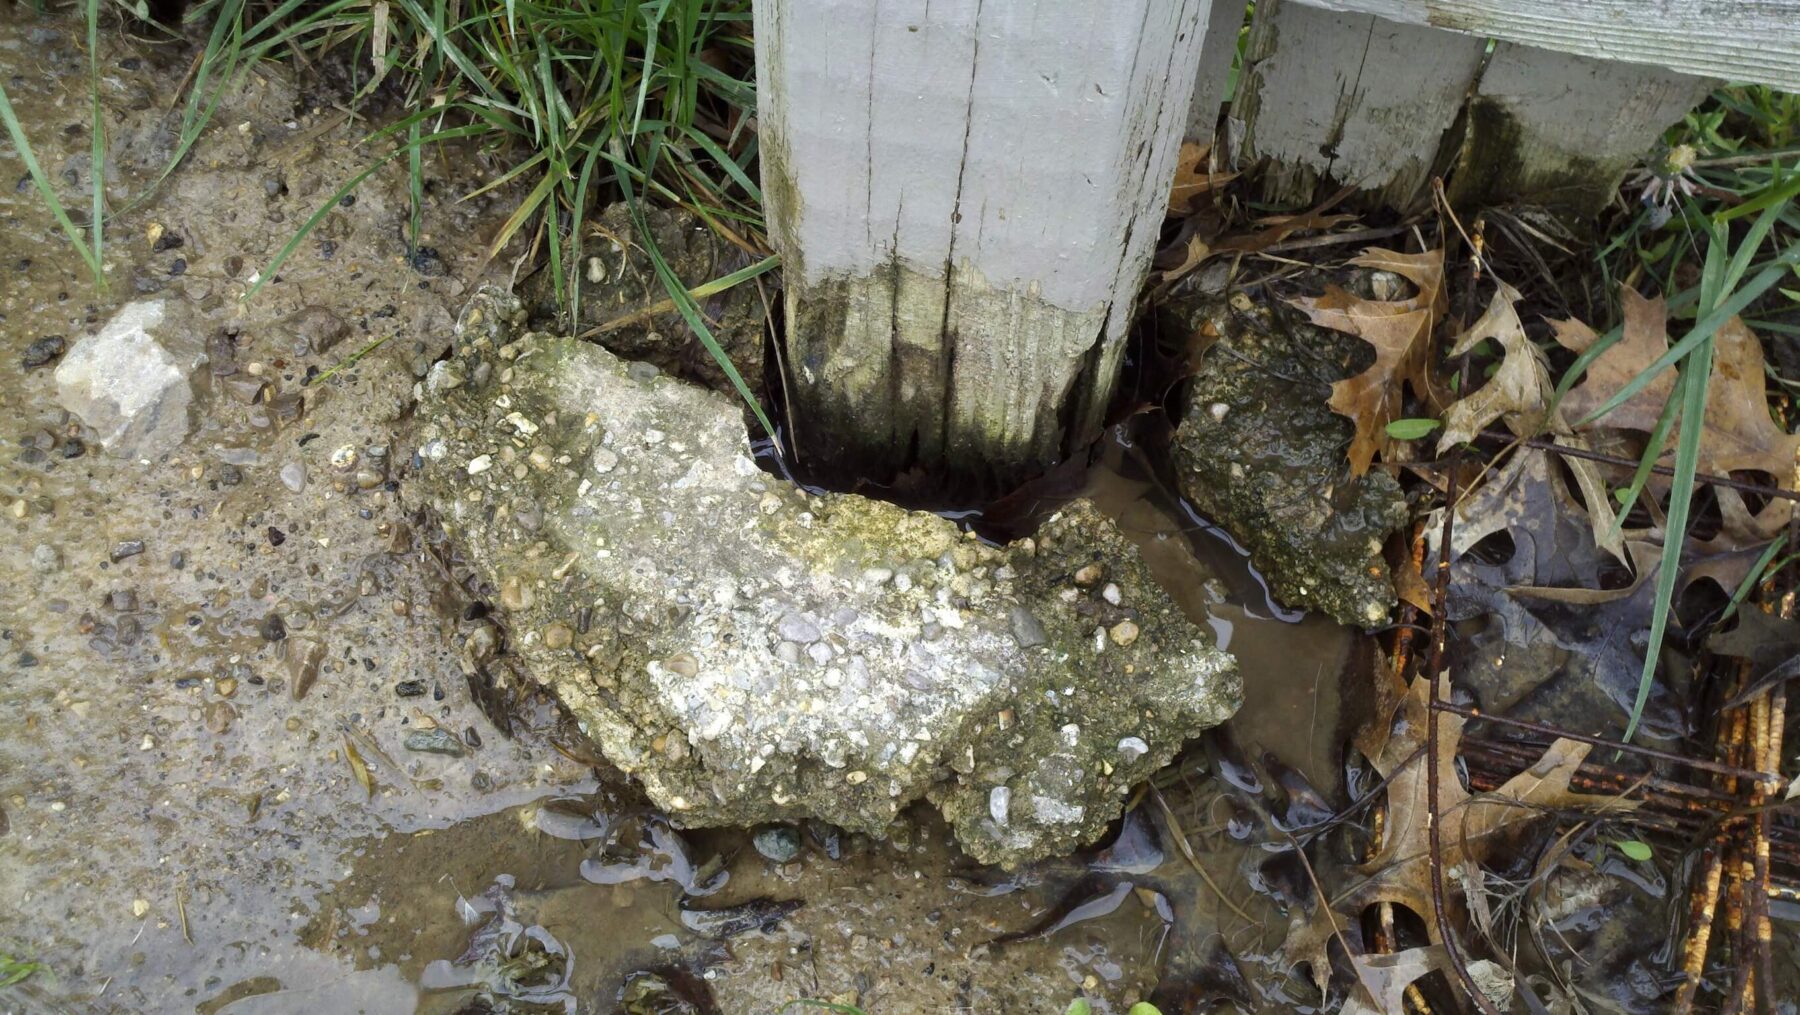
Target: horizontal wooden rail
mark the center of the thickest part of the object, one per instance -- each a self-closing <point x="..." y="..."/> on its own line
<point x="1740" y="40"/>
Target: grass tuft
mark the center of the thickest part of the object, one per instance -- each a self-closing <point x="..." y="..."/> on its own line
<point x="1724" y="195"/>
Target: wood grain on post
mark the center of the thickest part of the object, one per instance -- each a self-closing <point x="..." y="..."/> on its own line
<point x="1757" y="41"/>
<point x="1561" y="130"/>
<point x="966" y="196"/>
<point x="1347" y="98"/>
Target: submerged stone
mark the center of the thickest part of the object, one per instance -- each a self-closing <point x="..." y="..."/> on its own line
<point x="754" y="653"/>
<point x="1260" y="452"/>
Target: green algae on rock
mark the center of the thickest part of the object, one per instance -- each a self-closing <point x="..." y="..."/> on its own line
<point x="1259" y="452"/>
<point x="751" y="652"/>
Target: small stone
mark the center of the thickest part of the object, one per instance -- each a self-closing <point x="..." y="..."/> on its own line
<point x="44" y="351"/>
<point x="344" y="458"/>
<point x="230" y="475"/>
<point x="140" y="908"/>
<point x="225" y="686"/>
<point x="410" y="688"/>
<point x="1133" y="748"/>
<point x="787" y="652"/>
<point x="1026" y="629"/>
<point x="1090" y="574"/>
<point x="218" y="716"/>
<point x="128" y="548"/>
<point x="480" y="464"/>
<point x="778" y="843"/>
<point x="605" y="460"/>
<point x="304" y="657"/>
<point x="514" y="595"/>
<point x="999" y="804"/>
<point x="316" y="327"/>
<point x="276" y="536"/>
<point x="434" y="741"/>
<point x="272" y="627"/>
<point x="558" y="636"/>
<point x="1111" y="594"/>
<point x="293" y="476"/>
<point x="1124" y="633"/>
<point x="444" y="375"/>
<point x="126" y="385"/>
<point x="856" y="778"/>
<point x="796" y="628"/>
<point x="45" y="558"/>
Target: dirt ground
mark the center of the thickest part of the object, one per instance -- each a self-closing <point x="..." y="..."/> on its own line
<point x="181" y="831"/>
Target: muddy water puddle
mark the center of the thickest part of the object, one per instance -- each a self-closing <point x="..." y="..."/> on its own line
<point x="242" y="770"/>
<point x="610" y="909"/>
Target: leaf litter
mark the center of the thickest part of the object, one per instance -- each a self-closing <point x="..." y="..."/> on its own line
<point x="1471" y="827"/>
<point x="1576" y="586"/>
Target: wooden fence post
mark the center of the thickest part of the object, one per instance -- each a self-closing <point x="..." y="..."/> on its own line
<point x="966" y="195"/>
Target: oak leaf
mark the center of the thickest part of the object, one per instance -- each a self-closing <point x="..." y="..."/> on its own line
<point x="1519" y="392"/>
<point x="1400" y="330"/>
<point x="1520" y="388"/>
<point x="1470" y="825"/>
<point x="1737" y="434"/>
<point x="1192" y="181"/>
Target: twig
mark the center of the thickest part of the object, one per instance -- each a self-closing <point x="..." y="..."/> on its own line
<point x="1441" y="910"/>
<point x="1660" y="470"/>
<point x="1719" y="768"/>
<point x="1194" y="861"/>
<point x="1334" y="239"/>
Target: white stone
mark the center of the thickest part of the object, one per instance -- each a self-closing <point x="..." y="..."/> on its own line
<point x="999" y="803"/>
<point x="127" y="385"/>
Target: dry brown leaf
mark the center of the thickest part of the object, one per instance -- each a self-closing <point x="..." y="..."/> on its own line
<point x="1520" y="393"/>
<point x="1385" y="977"/>
<point x="1400" y="331"/>
<point x="1739" y="434"/>
<point x="1469" y="825"/>
<point x="1196" y="252"/>
<point x="1192" y="181"/>
<point x="1520" y="388"/>
<point x="1276" y="228"/>
<point x="1643" y="340"/>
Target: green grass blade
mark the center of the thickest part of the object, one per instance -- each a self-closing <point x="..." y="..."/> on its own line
<point x="1695" y="374"/>
<point x="14" y="971"/>
<point x="1703" y="329"/>
<point x="318" y="216"/>
<point x="1757" y="570"/>
<point x="690" y="311"/>
<point x="22" y="145"/>
<point x="97" y="143"/>
<point x="1640" y="477"/>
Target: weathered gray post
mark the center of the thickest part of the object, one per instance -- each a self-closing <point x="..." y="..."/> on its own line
<point x="965" y="196"/>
